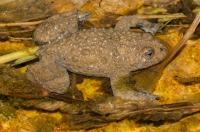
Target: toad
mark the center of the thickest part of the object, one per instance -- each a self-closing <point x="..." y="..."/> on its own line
<point x="96" y="52"/>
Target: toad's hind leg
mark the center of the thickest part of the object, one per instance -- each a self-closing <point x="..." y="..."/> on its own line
<point x="127" y="93"/>
<point x="54" y="78"/>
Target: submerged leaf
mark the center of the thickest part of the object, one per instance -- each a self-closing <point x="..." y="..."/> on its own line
<point x="18" y="54"/>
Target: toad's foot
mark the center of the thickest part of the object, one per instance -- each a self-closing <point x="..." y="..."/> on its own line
<point x="126" y="22"/>
<point x="135" y="95"/>
<point x="131" y="94"/>
<point x="51" y="81"/>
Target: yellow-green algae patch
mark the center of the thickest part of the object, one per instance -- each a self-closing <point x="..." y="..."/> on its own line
<point x="89" y="87"/>
<point x="187" y="64"/>
<point x="9" y="47"/>
<point x="34" y="121"/>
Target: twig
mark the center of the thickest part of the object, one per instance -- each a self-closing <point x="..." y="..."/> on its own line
<point x="166" y="23"/>
<point x="14" y="38"/>
<point x="182" y="25"/>
<point x="16" y="32"/>
<point x="20" y="24"/>
<point x="173" y="16"/>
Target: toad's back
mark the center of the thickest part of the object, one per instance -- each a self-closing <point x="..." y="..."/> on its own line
<point x="104" y="52"/>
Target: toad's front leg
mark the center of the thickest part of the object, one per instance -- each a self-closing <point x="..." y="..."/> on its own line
<point x="126" y="22"/>
<point x="130" y="93"/>
<point x="49" y="75"/>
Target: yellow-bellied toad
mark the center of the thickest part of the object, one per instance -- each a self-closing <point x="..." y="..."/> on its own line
<point x="93" y="52"/>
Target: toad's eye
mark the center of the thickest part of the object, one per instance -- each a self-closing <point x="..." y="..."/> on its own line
<point x="148" y="52"/>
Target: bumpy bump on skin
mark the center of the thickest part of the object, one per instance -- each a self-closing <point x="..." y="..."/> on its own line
<point x="95" y="52"/>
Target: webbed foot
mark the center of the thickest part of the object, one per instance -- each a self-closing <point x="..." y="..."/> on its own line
<point x="135" y="95"/>
<point x="130" y="93"/>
